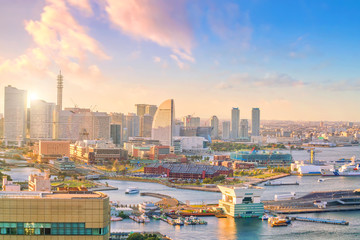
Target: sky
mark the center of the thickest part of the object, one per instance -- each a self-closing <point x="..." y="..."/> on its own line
<point x="295" y="60"/>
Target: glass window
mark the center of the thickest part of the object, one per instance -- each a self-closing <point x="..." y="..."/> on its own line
<point x="88" y="231"/>
<point x="67" y="231"/>
<point x="95" y="231"/>
<point x="61" y="231"/>
<point x="81" y="231"/>
<point x="54" y="231"/>
<point x="47" y="231"/>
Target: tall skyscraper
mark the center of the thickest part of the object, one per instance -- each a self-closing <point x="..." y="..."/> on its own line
<point x="15" y="111"/>
<point x="235" y="118"/>
<point x="115" y="134"/>
<point x="140" y="109"/>
<point x="146" y="125"/>
<point x="133" y="125"/>
<point x="190" y="121"/>
<point x="41" y="120"/>
<point x="163" y="123"/>
<point x="214" y="123"/>
<point x="226" y="130"/>
<point x="60" y="81"/>
<point x="244" y="128"/>
<point x="255" y="122"/>
<point x="151" y="110"/>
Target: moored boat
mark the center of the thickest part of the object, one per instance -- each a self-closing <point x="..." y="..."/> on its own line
<point x="132" y="190"/>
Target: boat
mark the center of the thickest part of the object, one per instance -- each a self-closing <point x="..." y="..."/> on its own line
<point x="350" y="169"/>
<point x="156" y="217"/>
<point x="278" y="222"/>
<point x="115" y="219"/>
<point x="265" y="217"/>
<point x="178" y="221"/>
<point x="145" y="218"/>
<point x="132" y="190"/>
<point x="321" y="180"/>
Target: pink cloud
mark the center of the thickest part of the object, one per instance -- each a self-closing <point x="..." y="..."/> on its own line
<point x="83" y="5"/>
<point x="163" y="22"/>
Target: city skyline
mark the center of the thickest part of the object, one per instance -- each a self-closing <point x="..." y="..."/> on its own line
<point x="218" y="54"/>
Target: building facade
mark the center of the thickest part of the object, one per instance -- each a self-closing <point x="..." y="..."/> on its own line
<point x="15" y="116"/>
<point x="146" y="125"/>
<point x="163" y="124"/>
<point x="115" y="134"/>
<point x="58" y="215"/>
<point x="51" y="150"/>
<point x="214" y="123"/>
<point x="255" y="122"/>
<point x="226" y="130"/>
<point x="235" y="118"/>
<point x="41" y="120"/>
<point x="244" y="129"/>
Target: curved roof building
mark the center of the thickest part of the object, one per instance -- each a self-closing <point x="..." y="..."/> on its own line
<point x="163" y="124"/>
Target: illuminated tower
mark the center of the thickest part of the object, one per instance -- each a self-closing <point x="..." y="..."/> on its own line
<point x="60" y="81"/>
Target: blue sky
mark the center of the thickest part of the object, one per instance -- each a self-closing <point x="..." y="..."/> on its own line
<point x="295" y="60"/>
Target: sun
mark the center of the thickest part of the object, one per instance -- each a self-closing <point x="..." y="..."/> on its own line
<point x="33" y="96"/>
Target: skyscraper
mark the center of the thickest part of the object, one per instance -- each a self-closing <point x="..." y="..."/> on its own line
<point x="60" y="81"/>
<point x="115" y="133"/>
<point x="145" y="125"/>
<point x="235" y="118"/>
<point x="214" y="123"/>
<point x="255" y="122"/>
<point x="133" y="125"/>
<point x="15" y="111"/>
<point x="151" y="110"/>
<point x="190" y="121"/>
<point x="163" y="123"/>
<point x="41" y="119"/>
<point x="226" y="130"/>
<point x="244" y="128"/>
<point x="140" y="109"/>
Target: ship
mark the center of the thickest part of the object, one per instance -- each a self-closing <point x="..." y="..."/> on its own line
<point x="132" y="190"/>
<point x="351" y="169"/>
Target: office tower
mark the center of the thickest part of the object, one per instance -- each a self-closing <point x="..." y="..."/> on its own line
<point x="132" y="125"/>
<point x="255" y="122"/>
<point x="82" y="124"/>
<point x="214" y="123"/>
<point x="60" y="81"/>
<point x="15" y="116"/>
<point x="235" y="118"/>
<point x="145" y="125"/>
<point x="151" y="110"/>
<point x="204" y="132"/>
<point x="115" y="133"/>
<point x="190" y="121"/>
<point x="63" y="215"/>
<point x="1" y="126"/>
<point x="163" y="123"/>
<point x="244" y="128"/>
<point x="41" y="119"/>
<point x="226" y="130"/>
<point x="140" y="109"/>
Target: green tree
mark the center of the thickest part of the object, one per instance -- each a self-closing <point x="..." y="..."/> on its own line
<point x="136" y="236"/>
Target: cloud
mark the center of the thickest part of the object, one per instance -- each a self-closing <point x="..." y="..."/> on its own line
<point x="340" y="86"/>
<point x="163" y="22"/>
<point x="83" y="5"/>
<point x="269" y="80"/>
<point x="60" y="42"/>
<point x="157" y="59"/>
<point x="180" y="64"/>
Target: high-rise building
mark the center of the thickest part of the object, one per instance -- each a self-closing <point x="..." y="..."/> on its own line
<point x="163" y="123"/>
<point x="255" y="122"/>
<point x="145" y="125"/>
<point x="41" y="119"/>
<point x="140" y="109"/>
<point x="204" y="132"/>
<point x="82" y="124"/>
<point x="214" y="123"/>
<point x="132" y="125"/>
<point x="115" y="134"/>
<point x="15" y="111"/>
<point x="60" y="81"/>
<point x="151" y="110"/>
<point x="119" y="118"/>
<point x="226" y="130"/>
<point x="244" y="128"/>
<point x="190" y="121"/>
<point x="235" y="118"/>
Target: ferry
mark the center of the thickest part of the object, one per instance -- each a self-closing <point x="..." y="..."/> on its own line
<point x="132" y="190"/>
<point x="115" y="219"/>
<point x="351" y="169"/>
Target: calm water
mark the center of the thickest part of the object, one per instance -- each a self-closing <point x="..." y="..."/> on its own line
<point x="231" y="229"/>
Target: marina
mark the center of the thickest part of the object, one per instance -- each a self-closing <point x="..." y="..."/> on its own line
<point x="320" y="220"/>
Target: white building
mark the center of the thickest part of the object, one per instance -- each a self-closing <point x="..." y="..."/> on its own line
<point x="244" y="128"/>
<point x="163" y="123"/>
<point x="15" y="111"/>
<point x="226" y="130"/>
<point x="41" y="120"/>
<point x="214" y="123"/>
<point x="191" y="143"/>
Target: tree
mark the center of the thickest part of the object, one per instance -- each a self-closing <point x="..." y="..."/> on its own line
<point x="136" y="236"/>
<point x="116" y="165"/>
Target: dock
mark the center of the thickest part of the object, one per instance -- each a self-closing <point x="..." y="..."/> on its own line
<point x="280" y="183"/>
<point x="320" y="220"/>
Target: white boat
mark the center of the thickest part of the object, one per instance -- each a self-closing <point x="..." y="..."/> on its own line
<point x="145" y="218"/>
<point x="321" y="180"/>
<point x="114" y="219"/>
<point x="132" y="190"/>
<point x="350" y="169"/>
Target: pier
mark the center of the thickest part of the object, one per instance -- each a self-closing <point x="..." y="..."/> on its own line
<point x="166" y="200"/>
<point x="156" y="195"/>
<point x="268" y="183"/>
<point x="320" y="220"/>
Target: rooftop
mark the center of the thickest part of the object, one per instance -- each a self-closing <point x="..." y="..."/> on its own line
<point x="52" y="195"/>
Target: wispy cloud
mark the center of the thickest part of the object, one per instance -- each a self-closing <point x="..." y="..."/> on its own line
<point x="163" y="22"/>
